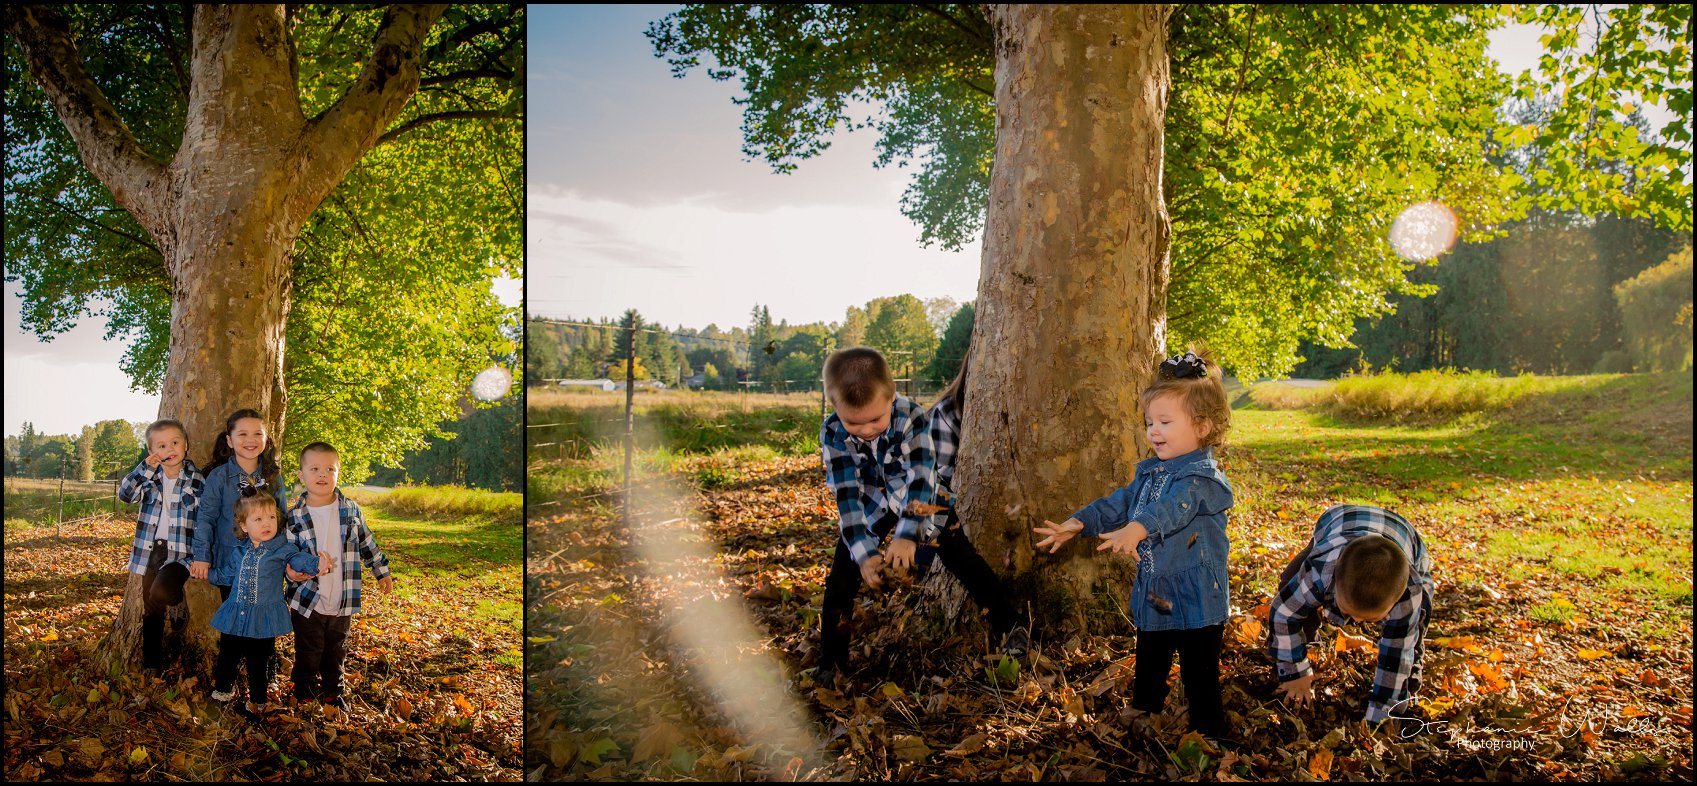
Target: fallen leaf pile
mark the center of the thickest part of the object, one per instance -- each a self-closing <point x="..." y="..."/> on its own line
<point x="1506" y="695"/>
<point x="429" y="701"/>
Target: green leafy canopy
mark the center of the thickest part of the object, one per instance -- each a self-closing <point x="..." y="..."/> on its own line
<point x="392" y="311"/>
<point x="1295" y="135"/>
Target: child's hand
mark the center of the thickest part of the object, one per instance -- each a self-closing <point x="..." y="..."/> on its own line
<point x="153" y="460"/>
<point x="1299" y="690"/>
<point x="901" y="557"/>
<point x="1058" y="534"/>
<point x="199" y="570"/>
<point x="1124" y="540"/>
<point x="326" y="563"/>
<point x="295" y="575"/>
<point x="871" y="571"/>
<point x="387" y="584"/>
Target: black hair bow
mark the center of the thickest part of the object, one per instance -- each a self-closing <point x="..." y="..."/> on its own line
<point x="251" y="487"/>
<point x="1186" y="366"/>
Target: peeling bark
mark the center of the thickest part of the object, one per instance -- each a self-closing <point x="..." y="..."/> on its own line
<point x="1072" y="294"/>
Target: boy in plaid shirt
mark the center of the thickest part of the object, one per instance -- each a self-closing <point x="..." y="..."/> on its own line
<point x="880" y="466"/>
<point x="1365" y="564"/>
<point x="168" y="486"/>
<point x="322" y="607"/>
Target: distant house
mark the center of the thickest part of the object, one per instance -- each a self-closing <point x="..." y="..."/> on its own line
<point x="652" y="384"/>
<point x="603" y="384"/>
<point x="697" y="380"/>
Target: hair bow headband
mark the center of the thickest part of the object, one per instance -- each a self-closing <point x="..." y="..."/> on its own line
<point x="251" y="487"/>
<point x="1186" y="366"/>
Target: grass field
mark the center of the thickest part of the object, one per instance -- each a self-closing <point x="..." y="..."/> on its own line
<point x="34" y="501"/>
<point x="433" y="670"/>
<point x="1557" y="510"/>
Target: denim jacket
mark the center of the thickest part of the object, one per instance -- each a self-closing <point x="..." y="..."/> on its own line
<point x="1181" y="579"/>
<point x="215" y="521"/>
<point x="255" y="572"/>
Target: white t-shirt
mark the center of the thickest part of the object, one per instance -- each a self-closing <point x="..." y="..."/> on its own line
<point x="168" y="507"/>
<point x="327" y="529"/>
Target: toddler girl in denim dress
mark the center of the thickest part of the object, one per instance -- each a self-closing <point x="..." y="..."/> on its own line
<point x="1173" y="517"/>
<point x="254" y="615"/>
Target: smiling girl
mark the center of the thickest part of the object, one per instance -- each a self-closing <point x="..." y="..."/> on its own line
<point x="1173" y="517"/>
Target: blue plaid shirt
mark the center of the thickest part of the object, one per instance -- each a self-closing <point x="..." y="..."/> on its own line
<point x="146" y="485"/>
<point x="1401" y="632"/>
<point x="874" y="481"/>
<point x="945" y="439"/>
<point x="358" y="546"/>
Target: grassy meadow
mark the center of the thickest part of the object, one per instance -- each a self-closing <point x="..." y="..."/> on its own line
<point x="1557" y="511"/>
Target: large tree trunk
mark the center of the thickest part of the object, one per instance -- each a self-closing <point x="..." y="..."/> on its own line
<point x="225" y="211"/>
<point x="1071" y="298"/>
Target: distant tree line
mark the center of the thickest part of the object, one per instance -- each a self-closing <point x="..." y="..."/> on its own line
<point x="1559" y="294"/>
<point x="104" y="451"/>
<point x="924" y="340"/>
<point x="480" y="454"/>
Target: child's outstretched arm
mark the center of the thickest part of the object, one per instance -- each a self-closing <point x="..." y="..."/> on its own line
<point x="851" y="517"/>
<point x="920" y="458"/>
<point x="304" y="561"/>
<point x="1295" y="602"/>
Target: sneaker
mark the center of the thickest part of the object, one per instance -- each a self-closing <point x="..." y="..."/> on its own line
<point x="336" y="701"/>
<point x="1017" y="642"/>
<point x="223" y="695"/>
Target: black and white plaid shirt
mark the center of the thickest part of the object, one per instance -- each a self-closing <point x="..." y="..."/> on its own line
<point x="1400" y="632"/>
<point x="874" y="481"/>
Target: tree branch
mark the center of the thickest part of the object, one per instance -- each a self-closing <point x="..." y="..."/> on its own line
<point x="462" y="76"/>
<point x="334" y="141"/>
<point x="104" y="143"/>
<point x="979" y="35"/>
<point x="423" y="120"/>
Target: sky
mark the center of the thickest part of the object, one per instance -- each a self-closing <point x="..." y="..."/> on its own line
<point x="639" y="197"/>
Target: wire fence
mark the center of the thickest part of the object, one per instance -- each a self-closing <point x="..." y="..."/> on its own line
<point x="593" y="434"/>
<point x="62" y="499"/>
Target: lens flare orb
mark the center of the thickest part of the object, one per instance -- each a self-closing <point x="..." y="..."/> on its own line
<point x="491" y="383"/>
<point x="1423" y="231"/>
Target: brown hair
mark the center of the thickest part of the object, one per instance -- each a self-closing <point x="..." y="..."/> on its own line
<point x="955" y="392"/>
<point x="167" y="423"/>
<point x="1204" y="398"/>
<point x="856" y="376"/>
<point x="1371" y="573"/>
<point x="319" y="447"/>
<point x="248" y="502"/>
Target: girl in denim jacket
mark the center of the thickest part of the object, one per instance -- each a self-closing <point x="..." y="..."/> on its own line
<point x="254" y="615"/>
<point x="1173" y="517"/>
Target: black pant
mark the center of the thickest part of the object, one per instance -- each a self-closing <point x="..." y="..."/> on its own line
<point x="320" y="646"/>
<point x="1199" y="666"/>
<point x="257" y="653"/>
<point x="959" y="557"/>
<point x="161" y="588"/>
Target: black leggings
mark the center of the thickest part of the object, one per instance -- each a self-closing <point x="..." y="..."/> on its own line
<point x="257" y="653"/>
<point x="161" y="588"/>
<point x="958" y="556"/>
<point x="1198" y="652"/>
